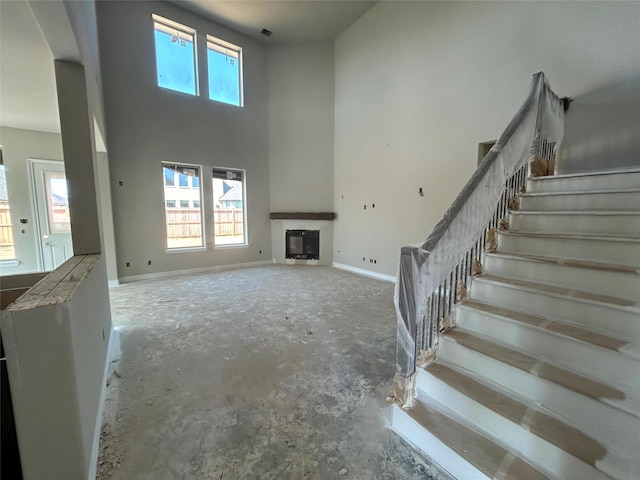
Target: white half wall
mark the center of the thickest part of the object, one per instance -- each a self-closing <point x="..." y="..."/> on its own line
<point x="57" y="356"/>
<point x="418" y="85"/>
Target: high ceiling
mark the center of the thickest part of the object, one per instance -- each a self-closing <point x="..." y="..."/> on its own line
<point x="27" y="81"/>
<point x="291" y="21"/>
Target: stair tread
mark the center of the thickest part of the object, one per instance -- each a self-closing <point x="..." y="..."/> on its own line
<point x="575" y="212"/>
<point x="554" y="431"/>
<point x="568" y="262"/>
<point x="580" y="192"/>
<point x="552" y="325"/>
<point x="480" y="451"/>
<point x="571" y="380"/>
<point x="573" y="236"/>
<point x="561" y="291"/>
<point x="594" y="173"/>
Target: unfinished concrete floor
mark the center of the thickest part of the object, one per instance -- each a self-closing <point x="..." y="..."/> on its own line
<point x="277" y="372"/>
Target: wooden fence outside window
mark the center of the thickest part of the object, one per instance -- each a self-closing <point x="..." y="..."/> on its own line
<point x="186" y="222"/>
<point x="7" y="251"/>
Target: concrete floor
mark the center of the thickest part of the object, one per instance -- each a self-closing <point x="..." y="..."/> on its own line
<point x="277" y="372"/>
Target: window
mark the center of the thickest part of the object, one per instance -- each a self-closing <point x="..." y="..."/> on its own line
<point x="7" y="247"/>
<point x="169" y="178"/>
<point x="184" y="225"/>
<point x="183" y="180"/>
<point x="229" y="213"/>
<point x="224" y="62"/>
<point x="57" y="203"/>
<point x="175" y="56"/>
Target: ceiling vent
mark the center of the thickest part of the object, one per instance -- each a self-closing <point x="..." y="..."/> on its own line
<point x="266" y="33"/>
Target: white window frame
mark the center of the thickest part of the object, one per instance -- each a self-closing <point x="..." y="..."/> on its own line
<point x="203" y="231"/>
<point x="222" y="46"/>
<point x="245" y="222"/>
<point x="169" y="26"/>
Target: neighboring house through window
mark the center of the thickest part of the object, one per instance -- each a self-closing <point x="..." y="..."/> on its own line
<point x="184" y="224"/>
<point x="229" y="212"/>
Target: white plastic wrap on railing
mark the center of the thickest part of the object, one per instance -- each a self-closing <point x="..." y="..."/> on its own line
<point x="423" y="267"/>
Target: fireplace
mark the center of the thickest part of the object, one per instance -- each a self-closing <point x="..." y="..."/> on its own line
<point x="302" y="244"/>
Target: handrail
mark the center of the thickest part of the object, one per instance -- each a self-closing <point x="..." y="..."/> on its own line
<point x="429" y="272"/>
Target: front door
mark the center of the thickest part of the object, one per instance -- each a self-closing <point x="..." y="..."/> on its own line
<point x="52" y="213"/>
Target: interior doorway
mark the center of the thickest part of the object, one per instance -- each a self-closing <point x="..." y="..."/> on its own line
<point x="51" y="202"/>
<point x="483" y="149"/>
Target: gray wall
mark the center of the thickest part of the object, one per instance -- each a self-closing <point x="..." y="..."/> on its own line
<point x="602" y="127"/>
<point x="105" y="212"/>
<point x="19" y="146"/>
<point x="301" y="113"/>
<point x="420" y="84"/>
<point x="147" y="125"/>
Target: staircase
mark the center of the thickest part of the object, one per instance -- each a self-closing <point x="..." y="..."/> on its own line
<point x="540" y="378"/>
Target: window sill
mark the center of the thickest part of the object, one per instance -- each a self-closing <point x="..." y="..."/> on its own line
<point x="9" y="263"/>
<point x="186" y="249"/>
<point x="232" y="245"/>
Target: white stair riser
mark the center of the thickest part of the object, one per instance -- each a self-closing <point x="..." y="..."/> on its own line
<point x="604" y="282"/>
<point x="618" y="225"/>
<point x="624" y="253"/>
<point x="581" y="202"/>
<point x="618" y="323"/>
<point x="607" y="365"/>
<point x="539" y="452"/>
<point x="612" y="425"/>
<point x="584" y="182"/>
<point x="432" y="446"/>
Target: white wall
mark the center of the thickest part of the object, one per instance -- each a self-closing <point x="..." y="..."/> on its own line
<point x="56" y="356"/>
<point x="420" y="84"/>
<point x="301" y="112"/>
<point x="147" y="125"/>
<point x="19" y="146"/>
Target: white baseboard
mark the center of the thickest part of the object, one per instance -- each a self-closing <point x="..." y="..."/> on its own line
<point x="95" y="446"/>
<point x="366" y="273"/>
<point x="189" y="271"/>
<point x="114" y="283"/>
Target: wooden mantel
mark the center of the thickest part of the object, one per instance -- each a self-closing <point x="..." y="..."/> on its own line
<point x="302" y="215"/>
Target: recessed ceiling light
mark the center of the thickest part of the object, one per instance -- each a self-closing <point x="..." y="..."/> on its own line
<point x="266" y="33"/>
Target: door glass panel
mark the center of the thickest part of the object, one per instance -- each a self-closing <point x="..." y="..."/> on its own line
<point x="7" y="247"/>
<point x="57" y="203"/>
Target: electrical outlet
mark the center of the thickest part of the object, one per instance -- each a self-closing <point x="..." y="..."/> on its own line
<point x="128" y="264"/>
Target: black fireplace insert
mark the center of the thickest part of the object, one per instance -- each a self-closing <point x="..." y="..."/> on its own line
<point x="303" y="244"/>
